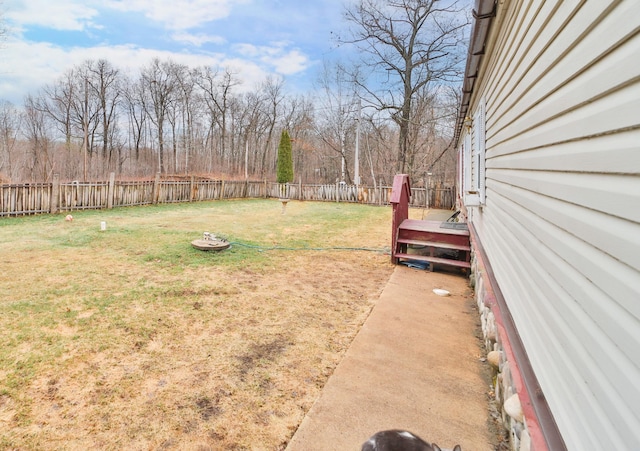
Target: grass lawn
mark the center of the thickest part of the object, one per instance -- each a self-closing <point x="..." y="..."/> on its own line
<point x="131" y="339"/>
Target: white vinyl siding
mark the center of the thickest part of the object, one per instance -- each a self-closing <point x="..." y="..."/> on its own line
<point x="561" y="221"/>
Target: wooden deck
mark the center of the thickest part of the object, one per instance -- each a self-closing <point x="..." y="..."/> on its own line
<point x="439" y="243"/>
<point x="435" y="229"/>
<point x="433" y="243"/>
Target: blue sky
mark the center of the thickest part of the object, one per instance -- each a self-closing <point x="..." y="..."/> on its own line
<point x="255" y="38"/>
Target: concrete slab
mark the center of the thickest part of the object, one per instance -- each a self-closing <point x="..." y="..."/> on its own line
<point x="414" y="365"/>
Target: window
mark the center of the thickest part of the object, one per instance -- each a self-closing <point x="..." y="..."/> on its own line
<point x="479" y="125"/>
<point x="467" y="163"/>
<point x="474" y="159"/>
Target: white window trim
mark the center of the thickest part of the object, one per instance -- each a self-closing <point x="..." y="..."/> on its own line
<point x="475" y="166"/>
<point x="470" y="197"/>
<point x="466" y="164"/>
<point x="480" y="125"/>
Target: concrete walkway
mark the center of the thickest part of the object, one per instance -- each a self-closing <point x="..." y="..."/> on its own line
<point x="414" y="365"/>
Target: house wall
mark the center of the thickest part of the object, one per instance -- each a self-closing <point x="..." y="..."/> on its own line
<point x="560" y="223"/>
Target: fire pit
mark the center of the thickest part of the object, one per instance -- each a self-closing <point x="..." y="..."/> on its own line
<point x="210" y="242"/>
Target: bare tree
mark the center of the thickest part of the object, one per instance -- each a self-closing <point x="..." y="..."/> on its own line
<point x="189" y="100"/>
<point x="338" y="109"/>
<point x="85" y="107"/>
<point x="216" y="89"/>
<point x="10" y="123"/>
<point x="409" y="47"/>
<point x="174" y="111"/>
<point x="379" y="139"/>
<point x="133" y="94"/>
<point x="256" y="124"/>
<point x="74" y="107"/>
<point x="37" y="133"/>
<point x="104" y="80"/>
<point x="194" y="116"/>
<point x="159" y="83"/>
<point x="272" y="90"/>
<point x="56" y="101"/>
<point x="437" y="111"/>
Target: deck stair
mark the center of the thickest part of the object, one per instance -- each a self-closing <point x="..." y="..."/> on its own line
<point x="428" y="241"/>
<point x="438" y="243"/>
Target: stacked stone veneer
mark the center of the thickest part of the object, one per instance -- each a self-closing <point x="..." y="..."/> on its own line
<point x="506" y="394"/>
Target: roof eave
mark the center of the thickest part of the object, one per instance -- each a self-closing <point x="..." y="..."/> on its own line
<point x="483" y="14"/>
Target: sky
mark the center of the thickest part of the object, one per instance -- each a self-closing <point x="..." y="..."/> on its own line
<point x="255" y="38"/>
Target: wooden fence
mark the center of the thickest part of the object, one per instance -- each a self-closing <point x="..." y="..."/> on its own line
<point x="54" y="197"/>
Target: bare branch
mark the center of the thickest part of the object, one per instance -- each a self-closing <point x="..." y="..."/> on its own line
<point x="417" y="44"/>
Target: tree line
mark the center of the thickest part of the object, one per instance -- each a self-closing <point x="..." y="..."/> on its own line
<point x="175" y="119"/>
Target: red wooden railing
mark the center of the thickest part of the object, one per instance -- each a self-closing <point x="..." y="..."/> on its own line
<point x="400" y="196"/>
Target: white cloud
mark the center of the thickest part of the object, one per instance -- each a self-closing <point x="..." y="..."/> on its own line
<point x="197" y="40"/>
<point x="250" y="73"/>
<point x="178" y="14"/>
<point x="276" y="55"/>
<point x="248" y="50"/>
<point x="26" y="66"/>
<point x="290" y="63"/>
<point x="59" y="14"/>
<point x="24" y="70"/>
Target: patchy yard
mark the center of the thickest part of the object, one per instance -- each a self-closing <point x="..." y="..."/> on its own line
<point x="131" y="339"/>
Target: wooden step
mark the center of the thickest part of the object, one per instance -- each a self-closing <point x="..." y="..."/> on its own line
<point x="437" y="244"/>
<point x="436" y="260"/>
<point x="430" y="226"/>
<point x="411" y="229"/>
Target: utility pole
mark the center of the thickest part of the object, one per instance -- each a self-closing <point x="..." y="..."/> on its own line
<point x="343" y="159"/>
<point x="85" y="126"/>
<point x="246" y="159"/>
<point x="356" y="171"/>
<point x="429" y="174"/>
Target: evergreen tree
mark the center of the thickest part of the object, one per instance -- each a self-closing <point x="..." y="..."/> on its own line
<point x="285" y="159"/>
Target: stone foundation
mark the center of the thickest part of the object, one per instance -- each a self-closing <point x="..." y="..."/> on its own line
<point x="504" y="386"/>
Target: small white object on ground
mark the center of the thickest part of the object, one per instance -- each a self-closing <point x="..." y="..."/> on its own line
<point x="440" y="292"/>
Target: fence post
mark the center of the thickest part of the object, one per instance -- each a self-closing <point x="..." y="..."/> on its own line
<point x="55" y="193"/>
<point x="111" y="191"/>
<point x="338" y="192"/>
<point x="192" y="188"/>
<point x="222" y="190"/>
<point x="156" y="189"/>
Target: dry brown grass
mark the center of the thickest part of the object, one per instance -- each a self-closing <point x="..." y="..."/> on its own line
<point x="131" y="339"/>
